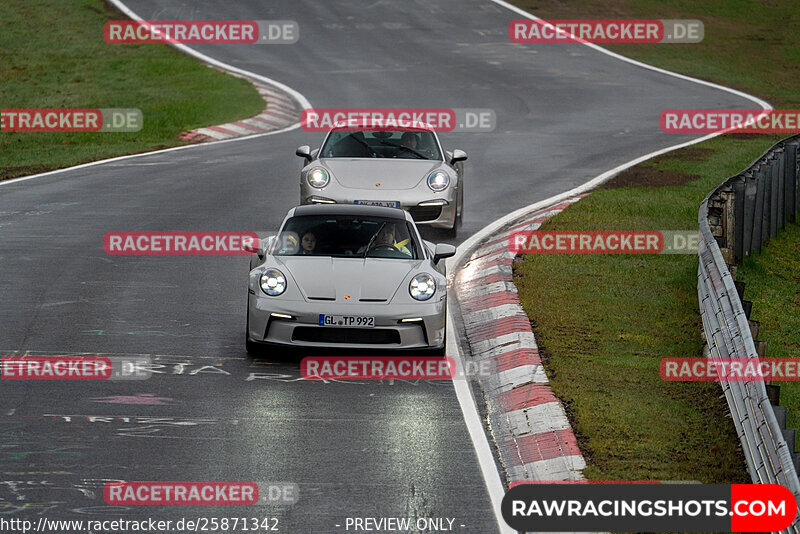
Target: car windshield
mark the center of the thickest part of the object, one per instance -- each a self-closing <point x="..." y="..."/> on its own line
<point x="347" y="236"/>
<point x="410" y="144"/>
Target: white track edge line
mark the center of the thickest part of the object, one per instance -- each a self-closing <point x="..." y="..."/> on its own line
<point x="472" y="419"/>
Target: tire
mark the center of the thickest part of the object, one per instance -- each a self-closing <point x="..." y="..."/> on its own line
<point x="453" y="232"/>
<point x="443" y="350"/>
<point x="251" y="347"/>
<point x="460" y="205"/>
<point x="439" y="352"/>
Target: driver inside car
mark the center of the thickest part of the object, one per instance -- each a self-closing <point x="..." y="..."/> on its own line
<point x="308" y="243"/>
<point x="409" y="140"/>
<point x="386" y="236"/>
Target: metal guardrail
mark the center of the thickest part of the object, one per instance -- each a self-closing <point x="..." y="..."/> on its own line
<point x="735" y="220"/>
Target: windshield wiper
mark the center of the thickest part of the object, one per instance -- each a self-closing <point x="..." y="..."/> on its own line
<point x="365" y="144"/>
<point x="421" y="155"/>
<point x="372" y="239"/>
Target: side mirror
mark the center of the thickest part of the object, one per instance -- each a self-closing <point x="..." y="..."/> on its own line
<point x="442" y="251"/>
<point x="458" y="155"/>
<point x="251" y="245"/>
<point x="264" y="245"/>
<point x="259" y="247"/>
<point x="304" y="152"/>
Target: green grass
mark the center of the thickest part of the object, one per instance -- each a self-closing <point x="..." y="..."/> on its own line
<point x="52" y="54"/>
<point x="772" y="282"/>
<point x="618" y="316"/>
<point x="749" y="45"/>
<point x="605" y="322"/>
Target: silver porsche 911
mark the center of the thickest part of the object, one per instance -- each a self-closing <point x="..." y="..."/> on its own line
<point x="403" y="168"/>
<point x="348" y="276"/>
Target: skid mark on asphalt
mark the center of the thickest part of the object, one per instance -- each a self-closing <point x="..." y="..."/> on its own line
<point x="150" y="333"/>
<point x="126" y="284"/>
<point x="225" y="367"/>
<point x="9" y="453"/>
<point x="19" y="489"/>
<point x="139" y="398"/>
<point x="48" y="495"/>
<point x="187" y="428"/>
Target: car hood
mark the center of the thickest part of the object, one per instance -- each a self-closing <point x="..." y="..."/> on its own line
<point x="390" y="173"/>
<point x="326" y="278"/>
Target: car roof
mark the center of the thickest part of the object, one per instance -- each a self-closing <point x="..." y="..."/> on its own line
<point x="356" y="126"/>
<point x="350" y="209"/>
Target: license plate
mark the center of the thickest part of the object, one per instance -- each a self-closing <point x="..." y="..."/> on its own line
<point x="346" y="320"/>
<point x="382" y="203"/>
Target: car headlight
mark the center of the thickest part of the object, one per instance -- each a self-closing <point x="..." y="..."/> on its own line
<point x="422" y="286"/>
<point x="318" y="177"/>
<point x="273" y="283"/>
<point x="438" y="180"/>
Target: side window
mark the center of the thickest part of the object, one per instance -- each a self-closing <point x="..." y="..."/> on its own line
<point x="405" y="238"/>
<point x="287" y="243"/>
<point x="327" y="149"/>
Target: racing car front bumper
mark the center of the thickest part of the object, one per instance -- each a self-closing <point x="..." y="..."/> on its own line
<point x="436" y="212"/>
<point x="397" y="326"/>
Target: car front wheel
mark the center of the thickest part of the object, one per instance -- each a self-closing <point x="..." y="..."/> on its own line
<point x="250" y="346"/>
<point x="453" y="232"/>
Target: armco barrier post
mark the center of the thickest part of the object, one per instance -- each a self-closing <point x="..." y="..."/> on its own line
<point x="774" y="199"/>
<point x="758" y="212"/>
<point x="789" y="180"/>
<point x="780" y="179"/>
<point x="738" y="219"/>
<point x="750" y="191"/>
<point x="729" y="225"/>
<point x="767" y="213"/>
<point x="794" y="163"/>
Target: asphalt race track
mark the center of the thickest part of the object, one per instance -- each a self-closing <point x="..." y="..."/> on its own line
<point x="565" y="113"/>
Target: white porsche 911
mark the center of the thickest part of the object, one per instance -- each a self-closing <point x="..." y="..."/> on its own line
<point x="348" y="276"/>
<point x="405" y="168"/>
